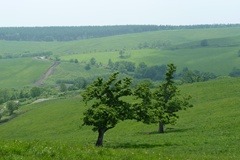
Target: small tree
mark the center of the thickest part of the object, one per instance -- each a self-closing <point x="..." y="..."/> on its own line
<point x="63" y="87"/>
<point x="35" y="92"/>
<point x="161" y="105"/>
<point x="93" y="61"/>
<point x="107" y="107"/>
<point x="204" y="43"/>
<point x="76" y="61"/>
<point x="11" y="107"/>
<point x="87" y="67"/>
<point x="110" y="64"/>
<point x="1" y="115"/>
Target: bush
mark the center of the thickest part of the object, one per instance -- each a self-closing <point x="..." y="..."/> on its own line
<point x="35" y="92"/>
<point x="204" y="43"/>
<point x="235" y="72"/>
<point x="11" y="107"/>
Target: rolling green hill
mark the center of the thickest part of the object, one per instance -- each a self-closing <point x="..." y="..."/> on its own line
<point x="52" y="130"/>
<point x="128" y="41"/>
<point x="181" y="47"/>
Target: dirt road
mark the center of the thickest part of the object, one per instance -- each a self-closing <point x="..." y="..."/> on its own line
<point x="47" y="74"/>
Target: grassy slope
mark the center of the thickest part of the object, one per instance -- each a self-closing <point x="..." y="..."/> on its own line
<point x="21" y="72"/>
<point x="210" y="130"/>
<point x="73" y="70"/>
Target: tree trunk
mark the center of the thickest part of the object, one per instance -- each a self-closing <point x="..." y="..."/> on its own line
<point x="161" y="127"/>
<point x="99" y="142"/>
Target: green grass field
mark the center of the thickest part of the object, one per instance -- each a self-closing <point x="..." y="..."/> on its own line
<point x="16" y="73"/>
<point x="52" y="130"/>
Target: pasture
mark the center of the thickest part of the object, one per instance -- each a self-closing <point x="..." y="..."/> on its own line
<point x="53" y="129"/>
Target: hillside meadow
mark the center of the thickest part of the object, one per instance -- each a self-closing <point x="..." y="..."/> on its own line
<point x="20" y="72"/>
<point x="181" y="47"/>
<point x="53" y="130"/>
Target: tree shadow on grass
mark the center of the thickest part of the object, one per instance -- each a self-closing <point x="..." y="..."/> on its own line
<point x="139" y="146"/>
<point x="168" y="130"/>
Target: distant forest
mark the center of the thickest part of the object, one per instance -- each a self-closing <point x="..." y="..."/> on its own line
<point x="85" y="32"/>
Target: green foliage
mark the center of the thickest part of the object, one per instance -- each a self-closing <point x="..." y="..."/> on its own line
<point x="93" y="61"/>
<point x="35" y="92"/>
<point x="123" y="54"/>
<point x="161" y="105"/>
<point x="75" y="61"/>
<point x="235" y="72"/>
<point x="202" y="132"/>
<point x="204" y="43"/>
<point x="189" y="76"/>
<point x="108" y="108"/>
<point x="63" y="87"/>
<point x="11" y="107"/>
<point x="124" y="66"/>
<point x="87" y="67"/>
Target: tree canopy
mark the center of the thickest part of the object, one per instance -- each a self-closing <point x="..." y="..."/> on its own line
<point x="160" y="106"/>
<point x="107" y="107"/>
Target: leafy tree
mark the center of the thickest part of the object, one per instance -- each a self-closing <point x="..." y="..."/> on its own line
<point x="35" y="92"/>
<point x="161" y="105"/>
<point x="235" y="72"/>
<point x="87" y="67"/>
<point x="124" y="66"/>
<point x="107" y="107"/>
<point x="80" y="82"/>
<point x="110" y="64"/>
<point x="11" y="107"/>
<point x="93" y="61"/>
<point x="4" y="95"/>
<point x="204" y="43"/>
<point x="141" y="70"/>
<point x="121" y="53"/>
<point x="63" y="87"/>
<point x="189" y="76"/>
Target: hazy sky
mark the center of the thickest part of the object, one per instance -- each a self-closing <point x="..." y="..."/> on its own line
<point x="117" y="12"/>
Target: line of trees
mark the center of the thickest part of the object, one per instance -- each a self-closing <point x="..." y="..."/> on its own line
<point x="109" y="105"/>
<point x="24" y="94"/>
<point x="85" y="32"/>
<point x="157" y="72"/>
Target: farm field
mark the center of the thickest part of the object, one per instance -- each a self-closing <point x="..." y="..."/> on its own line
<point x="53" y="130"/>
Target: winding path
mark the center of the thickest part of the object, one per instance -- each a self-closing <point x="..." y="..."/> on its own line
<point x="47" y="74"/>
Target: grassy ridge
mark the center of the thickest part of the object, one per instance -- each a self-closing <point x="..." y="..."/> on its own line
<point x="129" y="41"/>
<point x="209" y="130"/>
